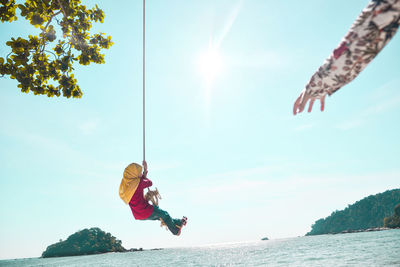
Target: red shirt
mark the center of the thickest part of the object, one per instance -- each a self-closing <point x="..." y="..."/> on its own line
<point x="141" y="209"/>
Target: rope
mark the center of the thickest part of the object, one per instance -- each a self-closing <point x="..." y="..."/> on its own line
<point x="144" y="80"/>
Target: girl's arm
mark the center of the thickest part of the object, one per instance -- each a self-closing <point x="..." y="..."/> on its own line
<point x="371" y="31"/>
<point x="146" y="182"/>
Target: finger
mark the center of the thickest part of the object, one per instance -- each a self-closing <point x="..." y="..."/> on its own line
<point x="300" y="102"/>
<point x="296" y="105"/>
<point x="303" y="103"/>
<point x="323" y="103"/>
<point x="311" y="104"/>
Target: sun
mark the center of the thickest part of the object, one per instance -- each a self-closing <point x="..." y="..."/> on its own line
<point x="210" y="64"/>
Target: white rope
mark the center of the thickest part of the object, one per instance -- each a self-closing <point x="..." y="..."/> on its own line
<point x="144" y="80"/>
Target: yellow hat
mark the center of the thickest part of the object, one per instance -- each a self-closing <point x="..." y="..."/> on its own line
<point x="130" y="182"/>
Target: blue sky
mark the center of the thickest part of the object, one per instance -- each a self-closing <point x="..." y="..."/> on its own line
<point x="223" y="147"/>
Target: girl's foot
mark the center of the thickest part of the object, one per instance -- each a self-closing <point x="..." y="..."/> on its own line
<point x="183" y="222"/>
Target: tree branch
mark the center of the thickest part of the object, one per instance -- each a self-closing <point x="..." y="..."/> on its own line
<point x="66" y="18"/>
<point x="74" y="34"/>
<point x="62" y="9"/>
<point x="44" y="31"/>
<point x="56" y="57"/>
<point x="45" y="27"/>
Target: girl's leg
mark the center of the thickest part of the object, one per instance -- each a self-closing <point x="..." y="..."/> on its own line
<point x="162" y="214"/>
<point x="177" y="222"/>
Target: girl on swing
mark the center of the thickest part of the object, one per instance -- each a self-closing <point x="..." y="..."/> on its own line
<point x="131" y="192"/>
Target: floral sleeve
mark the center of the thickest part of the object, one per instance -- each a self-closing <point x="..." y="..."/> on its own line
<point x="371" y="31"/>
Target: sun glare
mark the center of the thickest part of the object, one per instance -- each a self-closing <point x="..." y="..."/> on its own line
<point x="210" y="64"/>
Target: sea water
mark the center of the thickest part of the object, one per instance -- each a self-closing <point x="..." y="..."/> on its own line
<point x="356" y="249"/>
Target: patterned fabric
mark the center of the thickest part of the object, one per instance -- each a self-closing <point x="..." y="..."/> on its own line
<point x="371" y="31"/>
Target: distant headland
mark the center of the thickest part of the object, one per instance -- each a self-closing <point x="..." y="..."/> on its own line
<point x="373" y="213"/>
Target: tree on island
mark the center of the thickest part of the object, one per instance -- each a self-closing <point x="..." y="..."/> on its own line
<point x="38" y="63"/>
<point x="85" y="242"/>
<point x="393" y="221"/>
<point x="364" y="214"/>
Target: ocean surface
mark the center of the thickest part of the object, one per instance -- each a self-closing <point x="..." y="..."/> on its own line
<point x="356" y="249"/>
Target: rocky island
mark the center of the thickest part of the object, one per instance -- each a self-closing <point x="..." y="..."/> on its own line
<point x="86" y="242"/>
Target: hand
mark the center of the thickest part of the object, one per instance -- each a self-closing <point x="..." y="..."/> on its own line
<point x="144" y="163"/>
<point x="302" y="100"/>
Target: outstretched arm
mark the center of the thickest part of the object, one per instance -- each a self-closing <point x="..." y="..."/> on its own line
<point x="145" y="171"/>
<point x="146" y="182"/>
<point x="371" y="31"/>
